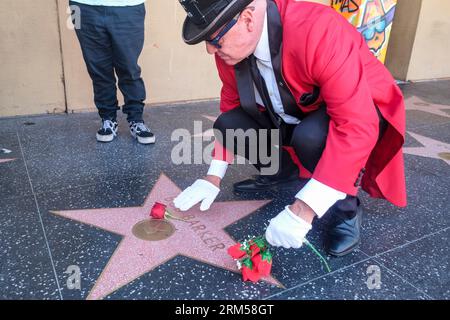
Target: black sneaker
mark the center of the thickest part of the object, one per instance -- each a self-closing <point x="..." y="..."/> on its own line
<point x="140" y="131"/>
<point x="108" y="131"/>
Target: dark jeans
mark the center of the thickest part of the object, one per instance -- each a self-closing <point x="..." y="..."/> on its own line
<point x="307" y="138"/>
<point x="111" y="39"/>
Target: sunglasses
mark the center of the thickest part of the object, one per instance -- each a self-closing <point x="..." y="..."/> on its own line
<point x="215" y="41"/>
<point x="379" y="27"/>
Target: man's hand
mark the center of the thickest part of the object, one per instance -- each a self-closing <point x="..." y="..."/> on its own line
<point x="203" y="190"/>
<point x="288" y="229"/>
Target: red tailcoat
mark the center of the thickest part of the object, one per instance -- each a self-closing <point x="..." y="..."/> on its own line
<point x="320" y="48"/>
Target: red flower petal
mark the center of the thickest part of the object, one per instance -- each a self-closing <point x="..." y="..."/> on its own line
<point x="250" y="275"/>
<point x="263" y="267"/>
<point x="235" y="251"/>
<point x="158" y="211"/>
<point x="256" y="260"/>
<point x="254" y="250"/>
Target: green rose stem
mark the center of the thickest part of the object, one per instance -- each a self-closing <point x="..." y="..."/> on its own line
<point x="305" y="241"/>
<point x="172" y="216"/>
<point x="317" y="253"/>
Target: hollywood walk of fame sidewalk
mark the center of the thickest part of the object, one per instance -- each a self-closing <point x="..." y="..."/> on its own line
<point x="71" y="204"/>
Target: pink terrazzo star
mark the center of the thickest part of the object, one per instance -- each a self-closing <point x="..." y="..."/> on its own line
<point x="202" y="237"/>
<point x="431" y="148"/>
<point x="415" y="103"/>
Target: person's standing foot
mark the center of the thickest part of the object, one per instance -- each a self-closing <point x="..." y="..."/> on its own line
<point x="141" y="133"/>
<point x="108" y="131"/>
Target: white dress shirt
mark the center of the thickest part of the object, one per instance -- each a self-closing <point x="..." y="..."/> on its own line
<point x="264" y="63"/>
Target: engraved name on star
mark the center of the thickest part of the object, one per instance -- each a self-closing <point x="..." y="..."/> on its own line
<point x="201" y="237"/>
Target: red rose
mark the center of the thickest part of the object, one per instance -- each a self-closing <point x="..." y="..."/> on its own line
<point x="261" y="265"/>
<point x="158" y="211"/>
<point x="236" y="251"/>
<point x="256" y="260"/>
<point x="254" y="249"/>
<point x="250" y="275"/>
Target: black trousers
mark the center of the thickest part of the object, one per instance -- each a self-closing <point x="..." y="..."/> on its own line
<point x="112" y="39"/>
<point x="307" y="138"/>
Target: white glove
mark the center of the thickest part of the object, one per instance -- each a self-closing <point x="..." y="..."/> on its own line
<point x="200" y="190"/>
<point x="287" y="230"/>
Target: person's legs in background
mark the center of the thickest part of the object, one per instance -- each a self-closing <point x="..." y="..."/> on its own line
<point x="97" y="52"/>
<point x="126" y="26"/>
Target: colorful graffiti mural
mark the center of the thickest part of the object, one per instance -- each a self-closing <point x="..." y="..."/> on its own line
<point x="372" y="18"/>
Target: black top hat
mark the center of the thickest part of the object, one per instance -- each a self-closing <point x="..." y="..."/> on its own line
<point x="206" y="16"/>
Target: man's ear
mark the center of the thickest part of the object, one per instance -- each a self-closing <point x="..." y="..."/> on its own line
<point x="248" y="18"/>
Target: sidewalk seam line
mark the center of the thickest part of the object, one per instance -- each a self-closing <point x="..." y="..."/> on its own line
<point x="40" y="218"/>
<point x="378" y="255"/>
<point x="401" y="277"/>
<point x="317" y="278"/>
<point x="406" y="244"/>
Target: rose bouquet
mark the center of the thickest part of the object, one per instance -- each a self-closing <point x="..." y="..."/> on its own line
<point x="254" y="258"/>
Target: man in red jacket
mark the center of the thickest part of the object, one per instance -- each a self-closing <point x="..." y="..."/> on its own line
<point x="300" y="68"/>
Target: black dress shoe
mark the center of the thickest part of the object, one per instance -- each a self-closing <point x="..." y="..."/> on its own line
<point x="344" y="234"/>
<point x="264" y="183"/>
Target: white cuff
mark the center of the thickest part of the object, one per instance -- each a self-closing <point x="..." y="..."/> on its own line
<point x="319" y="196"/>
<point x="218" y="168"/>
<point x="302" y="223"/>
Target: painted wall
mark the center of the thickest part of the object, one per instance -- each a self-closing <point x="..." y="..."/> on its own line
<point x="420" y="40"/>
<point x="431" y="51"/>
<point x="403" y="36"/>
<point x="372" y="18"/>
<point x="30" y="58"/>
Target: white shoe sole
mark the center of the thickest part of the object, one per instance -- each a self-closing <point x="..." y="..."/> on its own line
<point x="149" y="140"/>
<point x="102" y="138"/>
